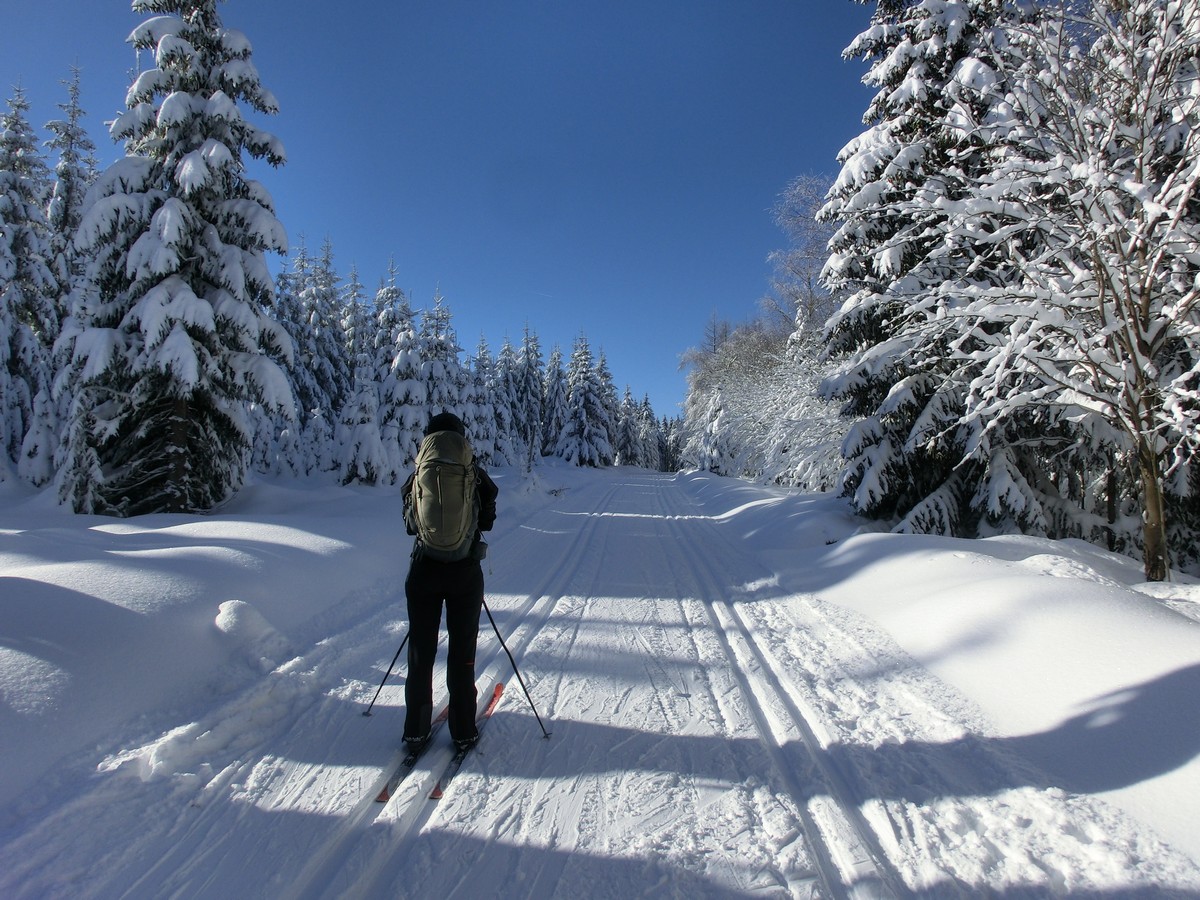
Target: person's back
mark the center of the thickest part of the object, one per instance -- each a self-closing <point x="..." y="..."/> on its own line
<point x="445" y="569"/>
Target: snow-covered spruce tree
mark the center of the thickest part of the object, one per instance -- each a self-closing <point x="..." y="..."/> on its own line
<point x="554" y="402"/>
<point x="678" y="437"/>
<point x="291" y="315"/>
<point x="629" y="450"/>
<point x="671" y="443"/>
<point x="608" y="395"/>
<point x="316" y="443"/>
<point x="478" y="408"/>
<point x="709" y="447"/>
<point x="907" y="362"/>
<point x="704" y="381"/>
<point x="531" y="392"/>
<point x="394" y="336"/>
<point x="650" y="435"/>
<point x="324" y="356"/>
<point x="279" y="442"/>
<point x="74" y="173"/>
<point x="360" y="445"/>
<point x="28" y="291"/>
<point x="404" y="395"/>
<point x="584" y="440"/>
<point x="310" y="310"/>
<point x="1103" y="163"/>
<point x="358" y="326"/>
<point x="503" y="391"/>
<point x="464" y="386"/>
<point x="389" y="296"/>
<point x="322" y="299"/>
<point x="440" y="365"/>
<point x="178" y="338"/>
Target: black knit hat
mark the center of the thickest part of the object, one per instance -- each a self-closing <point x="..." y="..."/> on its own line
<point x="446" y="422"/>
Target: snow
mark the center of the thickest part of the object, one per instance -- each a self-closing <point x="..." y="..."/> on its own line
<point x="750" y="691"/>
<point x="200" y="167"/>
<point x="177" y="107"/>
<point x="177" y="355"/>
<point x="99" y="346"/>
<point x="155" y="29"/>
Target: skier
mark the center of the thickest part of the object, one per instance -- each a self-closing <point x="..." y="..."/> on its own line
<point x="434" y="579"/>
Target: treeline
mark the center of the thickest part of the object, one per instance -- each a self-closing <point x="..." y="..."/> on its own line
<point x="369" y="372"/>
<point x="149" y="360"/>
<point x="1013" y="263"/>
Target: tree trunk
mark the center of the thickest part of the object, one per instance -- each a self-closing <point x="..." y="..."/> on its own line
<point x="177" y="453"/>
<point x="1154" y="526"/>
<point x="1110" y="486"/>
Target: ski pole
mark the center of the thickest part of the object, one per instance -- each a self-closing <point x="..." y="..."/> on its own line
<point x="545" y="733"/>
<point x="367" y="711"/>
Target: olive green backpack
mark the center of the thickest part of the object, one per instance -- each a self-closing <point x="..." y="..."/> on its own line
<point x="444" y="507"/>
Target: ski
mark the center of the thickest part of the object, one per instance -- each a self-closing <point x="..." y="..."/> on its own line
<point x="411" y="756"/>
<point x="456" y="761"/>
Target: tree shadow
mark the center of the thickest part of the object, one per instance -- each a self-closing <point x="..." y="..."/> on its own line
<point x="1124" y="739"/>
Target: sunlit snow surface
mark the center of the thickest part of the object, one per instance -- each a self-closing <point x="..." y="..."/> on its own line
<point x="750" y="691"/>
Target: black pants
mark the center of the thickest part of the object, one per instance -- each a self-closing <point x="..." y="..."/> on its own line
<point x="460" y="586"/>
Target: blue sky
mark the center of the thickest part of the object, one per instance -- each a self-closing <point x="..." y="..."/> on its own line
<point x="597" y="167"/>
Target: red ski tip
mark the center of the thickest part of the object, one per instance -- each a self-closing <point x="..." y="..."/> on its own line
<point x="436" y="793"/>
<point x="496" y="692"/>
<point x="384" y="795"/>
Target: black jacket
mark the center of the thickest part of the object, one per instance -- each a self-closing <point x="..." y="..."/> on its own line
<point x="487" y="491"/>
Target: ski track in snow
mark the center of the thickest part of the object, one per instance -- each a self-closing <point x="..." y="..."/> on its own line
<point x="714" y="735"/>
<point x="904" y="795"/>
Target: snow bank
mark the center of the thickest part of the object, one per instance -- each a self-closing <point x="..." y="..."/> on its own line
<point x="107" y="625"/>
<point x="263" y="646"/>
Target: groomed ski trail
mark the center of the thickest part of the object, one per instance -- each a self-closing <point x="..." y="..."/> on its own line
<point x="646" y="744"/>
